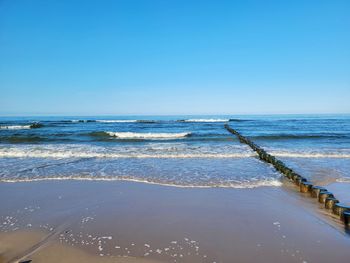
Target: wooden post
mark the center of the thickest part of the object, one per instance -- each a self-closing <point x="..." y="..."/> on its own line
<point x="316" y="190"/>
<point x="339" y="208"/>
<point x="330" y="202"/>
<point x="305" y="187"/>
<point x="323" y="195"/>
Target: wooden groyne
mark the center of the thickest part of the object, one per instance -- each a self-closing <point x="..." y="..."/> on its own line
<point x="324" y="197"/>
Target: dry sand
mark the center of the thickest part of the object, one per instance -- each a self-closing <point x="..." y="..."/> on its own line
<point x="71" y="221"/>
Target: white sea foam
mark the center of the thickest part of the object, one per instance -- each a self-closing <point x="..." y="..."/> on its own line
<point x="135" y="135"/>
<point x="72" y="154"/>
<point x="167" y="164"/>
<point x="151" y="150"/>
<point x="206" y="120"/>
<point x="15" y="127"/>
<point x="238" y="185"/>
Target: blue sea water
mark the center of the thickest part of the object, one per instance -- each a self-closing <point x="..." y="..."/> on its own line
<point x="186" y="151"/>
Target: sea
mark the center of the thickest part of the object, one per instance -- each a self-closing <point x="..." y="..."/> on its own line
<point x="181" y="151"/>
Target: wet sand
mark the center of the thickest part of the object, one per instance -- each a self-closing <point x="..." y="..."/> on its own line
<point x="69" y="221"/>
<point x="21" y="245"/>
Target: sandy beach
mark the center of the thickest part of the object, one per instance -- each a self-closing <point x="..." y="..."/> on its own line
<point x="62" y="221"/>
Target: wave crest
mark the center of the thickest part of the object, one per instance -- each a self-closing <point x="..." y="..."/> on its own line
<point x="135" y="135"/>
<point x="54" y="151"/>
<point x="204" y="120"/>
<point x="14" y="127"/>
<point x="116" y="121"/>
<point x="22" y="127"/>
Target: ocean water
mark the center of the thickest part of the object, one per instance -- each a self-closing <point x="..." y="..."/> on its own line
<point x="184" y="151"/>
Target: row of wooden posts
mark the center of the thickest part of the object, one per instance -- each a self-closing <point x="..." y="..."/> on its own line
<point x="325" y="197"/>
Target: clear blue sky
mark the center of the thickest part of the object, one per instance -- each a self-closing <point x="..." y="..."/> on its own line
<point x="174" y="57"/>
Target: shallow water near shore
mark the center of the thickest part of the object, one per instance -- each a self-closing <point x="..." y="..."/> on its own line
<point x="187" y="151"/>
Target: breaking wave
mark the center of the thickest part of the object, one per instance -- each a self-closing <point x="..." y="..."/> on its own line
<point x="116" y="121"/>
<point x="38" y="154"/>
<point x="14" y="127"/>
<point x="155" y="150"/>
<point x="136" y="135"/>
<point x="113" y="121"/>
<point x="21" y="127"/>
<point x="204" y="120"/>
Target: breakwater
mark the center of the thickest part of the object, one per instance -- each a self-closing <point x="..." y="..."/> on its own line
<point x="320" y="193"/>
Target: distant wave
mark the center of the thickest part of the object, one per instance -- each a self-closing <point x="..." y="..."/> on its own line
<point x="106" y="136"/>
<point x="135" y="135"/>
<point x="204" y="120"/>
<point x="21" y="127"/>
<point x="116" y="121"/>
<point x="212" y="120"/>
<point x="75" y="121"/>
<point x="15" y="127"/>
<point x="209" y="120"/>
<point x="140" y="136"/>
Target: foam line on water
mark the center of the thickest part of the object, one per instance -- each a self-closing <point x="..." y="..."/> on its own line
<point x="149" y="150"/>
<point x="135" y="135"/>
<point x="116" y="121"/>
<point x="205" y="120"/>
<point x="241" y="185"/>
<point x="67" y="154"/>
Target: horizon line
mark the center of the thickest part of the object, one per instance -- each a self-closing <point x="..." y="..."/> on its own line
<point x="204" y="114"/>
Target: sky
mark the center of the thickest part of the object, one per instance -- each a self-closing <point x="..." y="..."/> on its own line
<point x="172" y="57"/>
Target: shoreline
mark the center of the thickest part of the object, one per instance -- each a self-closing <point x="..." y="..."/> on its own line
<point x="272" y="183"/>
